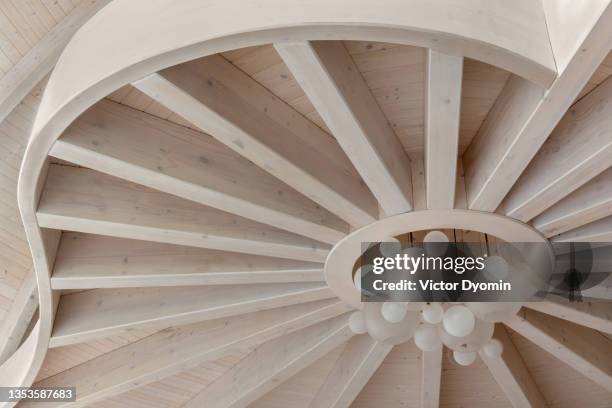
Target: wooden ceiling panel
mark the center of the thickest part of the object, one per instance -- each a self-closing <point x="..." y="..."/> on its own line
<point x="471" y="386"/>
<point x="396" y="383"/>
<point x="62" y="358"/>
<point x="561" y="385"/>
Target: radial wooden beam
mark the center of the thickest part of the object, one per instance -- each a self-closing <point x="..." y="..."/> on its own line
<point x="525" y="114"/>
<point x="87" y="261"/>
<point x="77" y="199"/>
<point x="443" y="103"/>
<point x="223" y="101"/>
<point x="98" y="313"/>
<point x="512" y="375"/>
<point x="594" y="314"/>
<point x="272" y="363"/>
<point x="585" y="350"/>
<point x="596" y="231"/>
<point x="178" y="349"/>
<point x="329" y="77"/>
<point x="357" y="363"/>
<point x="141" y="148"/>
<point x="16" y="322"/>
<point x="431" y="377"/>
<point x="578" y="149"/>
<point x="588" y="203"/>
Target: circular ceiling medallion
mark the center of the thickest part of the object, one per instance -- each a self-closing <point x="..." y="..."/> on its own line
<point x="341" y="259"/>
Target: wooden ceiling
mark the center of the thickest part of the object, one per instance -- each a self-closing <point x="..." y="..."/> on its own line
<point x="395" y="75"/>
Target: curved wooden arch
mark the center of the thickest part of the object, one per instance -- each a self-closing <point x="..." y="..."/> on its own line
<point x="343" y="256"/>
<point x="111" y="51"/>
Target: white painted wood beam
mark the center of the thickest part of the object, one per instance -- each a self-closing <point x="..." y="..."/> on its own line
<point x="82" y="200"/>
<point x="331" y="80"/>
<point x="272" y="363"/>
<point x="177" y="349"/>
<point x="99" y="313"/>
<point x="525" y="114"/>
<point x="41" y="58"/>
<point x="588" y="203"/>
<point x="226" y="103"/>
<point x="86" y="261"/>
<point x="585" y="350"/>
<point x="512" y="375"/>
<point x="357" y="363"/>
<point x="443" y="105"/>
<point x="596" y="231"/>
<point x="578" y="149"/>
<point x="431" y="377"/>
<point x="135" y="146"/>
<point x="594" y="314"/>
<point x="16" y="322"/>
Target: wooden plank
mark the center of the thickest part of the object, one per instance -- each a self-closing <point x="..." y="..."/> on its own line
<point x="180" y="348"/>
<point x="329" y="77"/>
<point x="87" y="261"/>
<point x="224" y="102"/>
<point x="431" y="377"/>
<point x="98" y="313"/>
<point x="578" y="149"/>
<point x="82" y="200"/>
<point x="443" y="105"/>
<point x="588" y="203"/>
<point x="272" y="363"/>
<point x="358" y="362"/>
<point x="41" y="58"/>
<point x="596" y="231"/>
<point x="594" y="314"/>
<point x="135" y="146"/>
<point x="16" y="322"/>
<point x="523" y="117"/>
<point x="511" y="374"/>
<point x="585" y="350"/>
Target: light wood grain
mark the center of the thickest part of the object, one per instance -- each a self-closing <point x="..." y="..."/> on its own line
<point x="431" y="378"/>
<point x="87" y="261"/>
<point x="578" y="149"/>
<point x="583" y="349"/>
<point x="330" y="78"/>
<point x="174" y="350"/>
<point x="98" y="313"/>
<point x="443" y="104"/>
<point x="594" y="314"/>
<point x="83" y="200"/>
<point x="584" y="205"/>
<point x="246" y="117"/>
<point x="359" y="360"/>
<point x="272" y="363"/>
<point x="129" y="144"/>
<point x="512" y="375"/>
<point x="524" y="116"/>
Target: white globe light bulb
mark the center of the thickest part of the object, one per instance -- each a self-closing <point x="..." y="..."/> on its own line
<point x="482" y="333"/>
<point x="357" y="323"/>
<point x="394" y="312"/>
<point x="432" y="313"/>
<point x="435" y="243"/>
<point x="494" y="312"/>
<point x="494" y="348"/>
<point x="426" y="337"/>
<point x="458" y="321"/>
<point x="390" y="246"/>
<point x="495" y="268"/>
<point x="391" y="333"/>
<point x="464" y="358"/>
